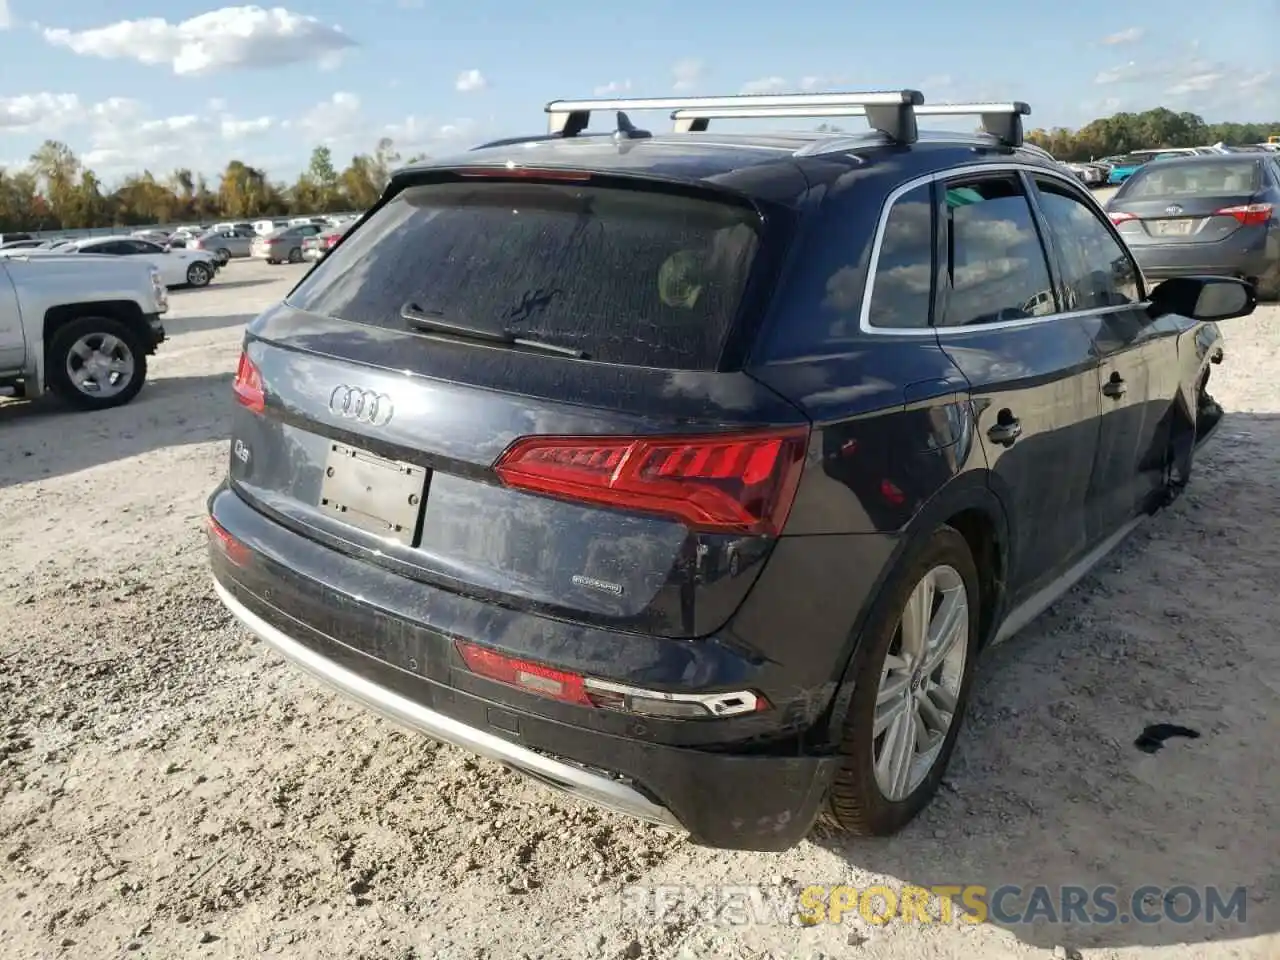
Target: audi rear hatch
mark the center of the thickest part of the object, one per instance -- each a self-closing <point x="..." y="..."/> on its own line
<point x="513" y="388"/>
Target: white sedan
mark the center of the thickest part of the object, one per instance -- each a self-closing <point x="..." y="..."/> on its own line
<point x="194" y="268"/>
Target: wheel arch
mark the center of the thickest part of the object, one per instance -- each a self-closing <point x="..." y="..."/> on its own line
<point x="126" y="312"/>
<point x="971" y="507"/>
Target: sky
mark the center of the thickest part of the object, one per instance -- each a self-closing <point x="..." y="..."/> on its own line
<point x="161" y="84"/>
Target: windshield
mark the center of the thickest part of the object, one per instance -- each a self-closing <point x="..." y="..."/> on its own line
<point x="1209" y="179"/>
<point x="622" y="275"/>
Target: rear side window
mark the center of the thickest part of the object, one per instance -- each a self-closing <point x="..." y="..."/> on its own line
<point x="1210" y="179"/>
<point x="626" y="276"/>
<point x="996" y="264"/>
<point x="902" y="292"/>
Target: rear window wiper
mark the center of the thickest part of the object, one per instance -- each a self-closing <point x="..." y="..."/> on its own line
<point x="431" y="321"/>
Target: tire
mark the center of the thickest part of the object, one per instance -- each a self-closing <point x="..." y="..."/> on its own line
<point x="295" y="255"/>
<point x="223" y="255"/>
<point x="199" y="274"/>
<point x="65" y="357"/>
<point x="272" y="262"/>
<point x="859" y="801"/>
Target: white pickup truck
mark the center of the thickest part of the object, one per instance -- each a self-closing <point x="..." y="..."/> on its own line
<point x="79" y="325"/>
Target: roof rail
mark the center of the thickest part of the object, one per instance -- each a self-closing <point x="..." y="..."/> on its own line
<point x="891" y="112"/>
<point x="1001" y="120"/>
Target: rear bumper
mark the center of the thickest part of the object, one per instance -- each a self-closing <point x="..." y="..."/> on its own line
<point x="594" y="786"/>
<point x="722" y="798"/>
<point x="1221" y="259"/>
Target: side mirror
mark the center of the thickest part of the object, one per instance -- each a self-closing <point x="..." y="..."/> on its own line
<point x="1203" y="298"/>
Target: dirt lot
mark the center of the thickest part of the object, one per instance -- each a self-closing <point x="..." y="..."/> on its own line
<point x="168" y="787"/>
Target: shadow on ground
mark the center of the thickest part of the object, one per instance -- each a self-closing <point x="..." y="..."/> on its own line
<point x="224" y="285"/>
<point x="176" y="326"/>
<point x="1047" y="786"/>
<point x="46" y="438"/>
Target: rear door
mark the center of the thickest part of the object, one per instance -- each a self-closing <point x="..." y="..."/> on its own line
<point x="1031" y="367"/>
<point x="1137" y="356"/>
<point x="597" y="469"/>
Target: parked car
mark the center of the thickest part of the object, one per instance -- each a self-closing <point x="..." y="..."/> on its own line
<point x="1215" y="215"/>
<point x="318" y="246"/>
<point x="1122" y="168"/>
<point x="225" y="244"/>
<point x="195" y="268"/>
<point x="29" y="243"/>
<point x="711" y="536"/>
<point x="1090" y="174"/>
<point x="284" y="244"/>
<point x="80" y="326"/>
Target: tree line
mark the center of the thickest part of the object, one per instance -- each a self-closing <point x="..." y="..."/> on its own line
<point x="1122" y="132"/>
<point x="57" y="191"/>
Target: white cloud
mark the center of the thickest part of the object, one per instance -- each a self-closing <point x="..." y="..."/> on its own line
<point x="336" y="120"/>
<point x="470" y="81"/>
<point x="43" y="114"/>
<point x="1129" y="35"/>
<point x="1196" y="83"/>
<point x="233" y="129"/>
<point x="220" y="39"/>
<point x="341" y="122"/>
<point x="765" y="85"/>
<point x="6" y="19"/>
<point x="686" y="74"/>
<point x="612" y="87"/>
<point x="217" y="105"/>
<point x="1129" y="72"/>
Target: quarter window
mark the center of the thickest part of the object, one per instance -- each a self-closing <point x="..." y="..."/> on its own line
<point x="902" y="292"/>
<point x="996" y="268"/>
<point x="1096" y="270"/>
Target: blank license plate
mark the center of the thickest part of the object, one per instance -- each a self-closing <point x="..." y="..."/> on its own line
<point x="1173" y="228"/>
<point x="373" y="493"/>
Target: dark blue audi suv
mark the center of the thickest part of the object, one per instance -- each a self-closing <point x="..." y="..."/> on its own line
<point x="691" y="472"/>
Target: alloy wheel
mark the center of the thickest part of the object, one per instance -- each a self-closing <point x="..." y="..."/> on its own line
<point x="100" y="365"/>
<point x="920" y="682"/>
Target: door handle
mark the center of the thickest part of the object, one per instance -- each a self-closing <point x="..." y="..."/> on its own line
<point x="1115" y="388"/>
<point x="1006" y="432"/>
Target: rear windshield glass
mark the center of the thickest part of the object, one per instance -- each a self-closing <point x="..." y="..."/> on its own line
<point x="625" y="276"/>
<point x="1218" y="178"/>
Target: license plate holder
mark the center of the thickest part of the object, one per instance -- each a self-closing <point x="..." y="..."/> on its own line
<point x="1173" y="228"/>
<point x="372" y="493"/>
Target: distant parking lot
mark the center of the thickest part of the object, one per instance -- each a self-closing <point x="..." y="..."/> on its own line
<point x="167" y="786"/>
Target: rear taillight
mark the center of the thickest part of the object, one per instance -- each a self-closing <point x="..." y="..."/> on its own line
<point x="1249" y="214"/>
<point x="1118" y="218"/>
<point x="722" y="483"/>
<point x="330" y="242"/>
<point x="231" y="548"/>
<point x="248" y="385"/>
<point x="544" y="681"/>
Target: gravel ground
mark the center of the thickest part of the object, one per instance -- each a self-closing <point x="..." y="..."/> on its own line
<point x="168" y="786"/>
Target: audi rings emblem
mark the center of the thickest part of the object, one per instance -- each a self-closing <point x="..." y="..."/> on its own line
<point x="363" y="406"/>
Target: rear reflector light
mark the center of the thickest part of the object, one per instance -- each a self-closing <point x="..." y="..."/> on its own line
<point x="723" y="483"/>
<point x="232" y="549"/>
<point x="544" y="681"/>
<point x="1119" y="218"/>
<point x="1249" y="214"/>
<point x="247" y="385"/>
<point x="525" y="173"/>
<point x="533" y="677"/>
<point x="331" y="241"/>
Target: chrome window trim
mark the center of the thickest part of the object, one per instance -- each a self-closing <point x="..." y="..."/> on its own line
<point x="1031" y="169"/>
